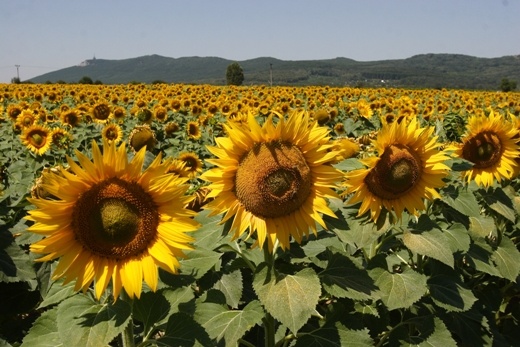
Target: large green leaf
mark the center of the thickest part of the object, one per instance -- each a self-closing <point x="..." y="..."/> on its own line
<point x="44" y="331"/>
<point x="458" y="238"/>
<point x="291" y="299"/>
<point x="335" y="336"/>
<point x="15" y="265"/>
<point x="440" y="336"/>
<point x="210" y="232"/>
<point x="153" y="309"/>
<point x="230" y="325"/>
<point x="462" y="200"/>
<point x="182" y="330"/>
<point x="57" y="293"/>
<point x="450" y="293"/>
<point x="507" y="259"/>
<point x="479" y="257"/>
<point x="399" y="290"/>
<point x="83" y="322"/>
<point x="199" y="261"/>
<point x="481" y="226"/>
<point x="343" y="279"/>
<point x="231" y="285"/>
<point x="432" y="243"/>
<point x="360" y="234"/>
<point x="498" y="201"/>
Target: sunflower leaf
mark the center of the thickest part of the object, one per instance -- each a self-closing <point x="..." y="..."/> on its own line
<point x="57" y="293"/>
<point x="449" y="293"/>
<point x="342" y="278"/>
<point x="399" y="290"/>
<point x="499" y="202"/>
<point x="231" y="285"/>
<point x="461" y="200"/>
<point x="335" y="336"/>
<point x="432" y="243"/>
<point x="458" y="237"/>
<point x="183" y="330"/>
<point x="220" y="322"/>
<point x="291" y="299"/>
<point x="84" y="322"/>
<point x="44" y="331"/>
<point x="506" y="259"/>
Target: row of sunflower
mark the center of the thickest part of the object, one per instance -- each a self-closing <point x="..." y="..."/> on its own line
<point x="202" y="215"/>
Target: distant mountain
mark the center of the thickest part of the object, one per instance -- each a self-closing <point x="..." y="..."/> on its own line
<point x="420" y="71"/>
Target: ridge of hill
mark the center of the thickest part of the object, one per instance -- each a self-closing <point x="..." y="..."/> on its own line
<point x="419" y="71"/>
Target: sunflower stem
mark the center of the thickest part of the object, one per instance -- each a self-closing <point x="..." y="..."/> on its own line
<point x="128" y="333"/>
<point x="268" y="320"/>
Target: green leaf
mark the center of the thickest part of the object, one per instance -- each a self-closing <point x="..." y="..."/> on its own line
<point x="506" y="258"/>
<point x="83" y="322"/>
<point x="441" y="336"/>
<point x="210" y="233"/>
<point x="15" y="265"/>
<point x="498" y="201"/>
<point x="461" y="200"/>
<point x="150" y="308"/>
<point x="231" y="285"/>
<point x="479" y="257"/>
<point x="44" y="331"/>
<point x="359" y="234"/>
<point x="231" y="325"/>
<point x="199" y="261"/>
<point x="291" y="299"/>
<point x="399" y="290"/>
<point x="335" y="336"/>
<point x="481" y="226"/>
<point x="57" y="293"/>
<point x="449" y="293"/>
<point x="343" y="279"/>
<point x="458" y="238"/>
<point x="432" y="243"/>
<point x="183" y="330"/>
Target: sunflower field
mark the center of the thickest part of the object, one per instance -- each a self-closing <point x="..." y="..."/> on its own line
<point x="199" y="215"/>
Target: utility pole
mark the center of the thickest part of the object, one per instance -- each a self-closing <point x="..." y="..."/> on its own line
<point x="18" y="72"/>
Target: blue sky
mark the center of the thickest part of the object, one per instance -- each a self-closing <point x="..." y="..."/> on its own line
<point x="47" y="35"/>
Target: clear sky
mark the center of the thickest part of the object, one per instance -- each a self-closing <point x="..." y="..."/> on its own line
<point x="46" y="35"/>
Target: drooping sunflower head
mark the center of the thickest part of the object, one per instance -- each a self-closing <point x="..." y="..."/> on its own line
<point x="112" y="222"/>
<point x="37" y="138"/>
<point x="170" y="128"/>
<point x="490" y="144"/>
<point x="273" y="180"/>
<point x="142" y="136"/>
<point x="407" y="170"/>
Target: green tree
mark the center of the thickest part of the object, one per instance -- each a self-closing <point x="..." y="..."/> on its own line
<point x="85" y="80"/>
<point x="16" y="80"/>
<point x="234" y="74"/>
<point x="506" y="85"/>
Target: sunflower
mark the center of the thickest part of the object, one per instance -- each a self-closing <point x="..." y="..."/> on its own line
<point x="100" y="112"/>
<point x="25" y="119"/>
<point x="273" y="179"/>
<point x="193" y="130"/>
<point x="490" y="144"/>
<point x="193" y="164"/>
<point x="178" y="167"/>
<point x="112" y="221"/>
<point x="71" y="117"/>
<point x="37" y="138"/>
<point x="142" y="136"/>
<point x="408" y="169"/>
<point x="61" y="137"/>
<point x="112" y="132"/>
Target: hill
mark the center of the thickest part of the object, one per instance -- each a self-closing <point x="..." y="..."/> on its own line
<point x="420" y="71"/>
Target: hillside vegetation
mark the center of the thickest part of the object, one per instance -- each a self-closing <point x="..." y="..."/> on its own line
<point x="420" y="71"/>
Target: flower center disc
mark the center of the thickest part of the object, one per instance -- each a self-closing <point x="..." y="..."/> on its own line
<point x="483" y="150"/>
<point x="273" y="180"/>
<point x="115" y="219"/>
<point x="397" y="171"/>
